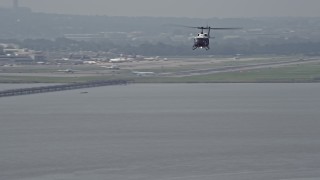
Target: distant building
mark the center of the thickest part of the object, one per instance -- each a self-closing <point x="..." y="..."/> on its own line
<point x="23" y="60"/>
<point x="38" y="56"/>
<point x="12" y="54"/>
<point x="6" y="59"/>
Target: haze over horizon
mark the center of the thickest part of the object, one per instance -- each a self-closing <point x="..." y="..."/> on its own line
<point x="176" y="8"/>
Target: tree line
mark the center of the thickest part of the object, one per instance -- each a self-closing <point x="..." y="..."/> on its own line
<point x="163" y="49"/>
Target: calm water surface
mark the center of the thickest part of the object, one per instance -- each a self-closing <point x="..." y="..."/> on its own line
<point x="163" y="132"/>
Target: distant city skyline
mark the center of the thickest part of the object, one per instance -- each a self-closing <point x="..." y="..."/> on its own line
<point x="176" y="8"/>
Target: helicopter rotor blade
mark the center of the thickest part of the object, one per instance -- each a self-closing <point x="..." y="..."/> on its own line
<point x="212" y="28"/>
<point x="194" y="27"/>
<point x="224" y="28"/>
<point x="206" y="27"/>
<point x="179" y="25"/>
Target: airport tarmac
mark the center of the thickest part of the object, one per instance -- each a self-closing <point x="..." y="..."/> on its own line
<point x="171" y="67"/>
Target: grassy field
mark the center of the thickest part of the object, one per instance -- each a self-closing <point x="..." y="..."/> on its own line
<point x="290" y="74"/>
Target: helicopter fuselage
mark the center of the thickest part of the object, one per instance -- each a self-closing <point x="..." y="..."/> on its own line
<point x="202" y="38"/>
<point x="201" y="41"/>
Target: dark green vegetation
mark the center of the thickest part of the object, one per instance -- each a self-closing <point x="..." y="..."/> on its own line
<point x="152" y="36"/>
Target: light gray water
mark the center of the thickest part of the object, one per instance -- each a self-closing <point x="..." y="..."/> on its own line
<point x="163" y="132"/>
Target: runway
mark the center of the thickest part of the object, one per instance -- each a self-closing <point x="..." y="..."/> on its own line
<point x="172" y="67"/>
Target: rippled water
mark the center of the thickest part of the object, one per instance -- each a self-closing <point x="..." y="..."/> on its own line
<point x="163" y="132"/>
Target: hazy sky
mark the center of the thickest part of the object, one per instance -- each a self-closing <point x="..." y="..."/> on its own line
<point x="176" y="8"/>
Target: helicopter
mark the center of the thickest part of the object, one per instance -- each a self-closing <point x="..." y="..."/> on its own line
<point x="202" y="39"/>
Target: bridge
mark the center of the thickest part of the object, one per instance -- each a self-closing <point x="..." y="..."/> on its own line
<point x="63" y="87"/>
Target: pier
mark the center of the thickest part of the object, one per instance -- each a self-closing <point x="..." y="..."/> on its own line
<point x="63" y="87"/>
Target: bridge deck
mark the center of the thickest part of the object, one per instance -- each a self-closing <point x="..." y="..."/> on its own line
<point x="63" y="87"/>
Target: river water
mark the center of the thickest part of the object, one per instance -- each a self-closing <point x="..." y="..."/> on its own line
<point x="163" y="132"/>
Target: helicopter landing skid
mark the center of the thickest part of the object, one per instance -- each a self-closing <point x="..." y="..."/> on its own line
<point x="195" y="47"/>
